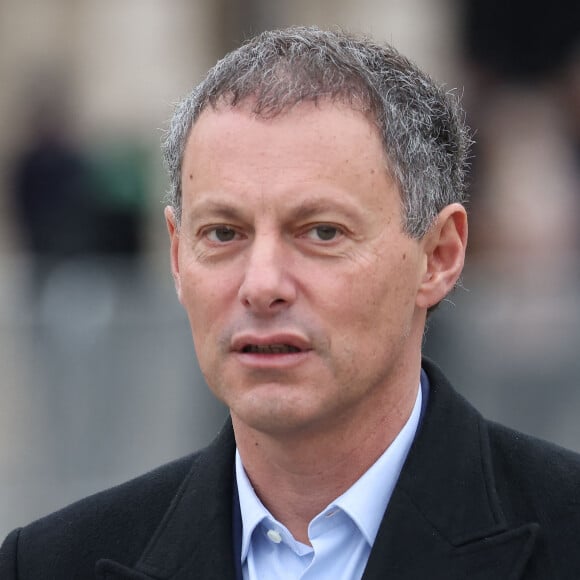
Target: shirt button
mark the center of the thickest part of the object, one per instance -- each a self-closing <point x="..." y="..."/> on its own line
<point x="274" y="536"/>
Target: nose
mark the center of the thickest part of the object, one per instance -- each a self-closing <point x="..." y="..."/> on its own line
<point x="267" y="287"/>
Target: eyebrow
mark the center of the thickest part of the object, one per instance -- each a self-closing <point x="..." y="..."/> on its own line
<point x="312" y="207"/>
<point x="217" y="209"/>
<point x="304" y="210"/>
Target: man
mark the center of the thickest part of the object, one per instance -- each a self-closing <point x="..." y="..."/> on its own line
<point x="315" y="218"/>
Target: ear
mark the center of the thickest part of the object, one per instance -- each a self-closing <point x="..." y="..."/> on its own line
<point x="444" y="245"/>
<point x="173" y="229"/>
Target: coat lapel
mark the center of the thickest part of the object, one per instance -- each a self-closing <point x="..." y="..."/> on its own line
<point x="190" y="541"/>
<point x="444" y="520"/>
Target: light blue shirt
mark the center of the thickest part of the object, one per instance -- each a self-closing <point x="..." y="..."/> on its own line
<point x="342" y="535"/>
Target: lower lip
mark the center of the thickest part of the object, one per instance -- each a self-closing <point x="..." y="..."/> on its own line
<point x="272" y="360"/>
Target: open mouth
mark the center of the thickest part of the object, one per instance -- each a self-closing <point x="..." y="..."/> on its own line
<point x="270" y="349"/>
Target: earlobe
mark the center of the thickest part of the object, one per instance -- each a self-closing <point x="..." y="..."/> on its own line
<point x="173" y="230"/>
<point x="445" y="246"/>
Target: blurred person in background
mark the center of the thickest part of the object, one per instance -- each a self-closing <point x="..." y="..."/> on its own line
<point x="52" y="192"/>
<point x="523" y="60"/>
<point x="75" y="201"/>
<point x="316" y="217"/>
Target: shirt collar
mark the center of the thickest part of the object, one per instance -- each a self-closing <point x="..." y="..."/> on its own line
<point x="252" y="509"/>
<point x="365" y="501"/>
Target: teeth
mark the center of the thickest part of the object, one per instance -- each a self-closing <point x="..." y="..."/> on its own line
<point x="270" y="348"/>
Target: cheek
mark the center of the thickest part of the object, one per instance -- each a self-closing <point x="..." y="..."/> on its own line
<point x="379" y="300"/>
<point x="210" y="299"/>
<point x="205" y="290"/>
<point x="201" y="302"/>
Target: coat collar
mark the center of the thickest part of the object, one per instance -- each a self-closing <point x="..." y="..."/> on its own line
<point x="444" y="520"/>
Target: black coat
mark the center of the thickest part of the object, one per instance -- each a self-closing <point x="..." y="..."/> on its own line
<point x="475" y="501"/>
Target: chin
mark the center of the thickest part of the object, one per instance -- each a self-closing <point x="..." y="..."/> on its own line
<point x="275" y="417"/>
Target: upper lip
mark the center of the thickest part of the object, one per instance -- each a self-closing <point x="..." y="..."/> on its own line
<point x="241" y="341"/>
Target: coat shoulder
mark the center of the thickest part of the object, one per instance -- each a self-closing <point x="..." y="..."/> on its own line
<point x="539" y="472"/>
<point x="537" y="481"/>
<point x="116" y="523"/>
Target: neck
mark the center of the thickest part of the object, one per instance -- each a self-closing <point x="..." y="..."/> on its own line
<point x="296" y="475"/>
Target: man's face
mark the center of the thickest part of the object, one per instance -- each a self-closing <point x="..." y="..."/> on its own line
<point x="291" y="262"/>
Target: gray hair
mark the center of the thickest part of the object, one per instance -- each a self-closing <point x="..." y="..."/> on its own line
<point x="421" y="125"/>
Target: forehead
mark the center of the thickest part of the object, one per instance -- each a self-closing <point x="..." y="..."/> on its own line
<point x="324" y="134"/>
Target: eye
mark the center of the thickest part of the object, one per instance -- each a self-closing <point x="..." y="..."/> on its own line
<point x="221" y="234"/>
<point x="324" y="233"/>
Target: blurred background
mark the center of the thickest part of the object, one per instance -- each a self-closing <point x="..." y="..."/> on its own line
<point x="98" y="378"/>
